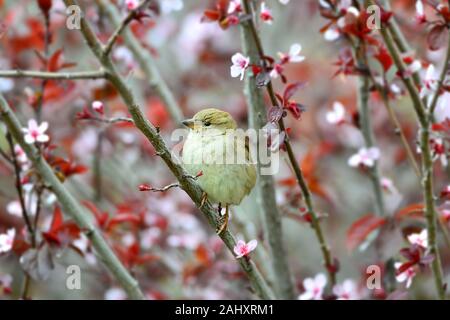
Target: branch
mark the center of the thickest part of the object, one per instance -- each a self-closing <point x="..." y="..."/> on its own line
<point x="266" y="187"/>
<point x="398" y="128"/>
<point x="52" y="75"/>
<point x="145" y="187"/>
<point x="188" y="185"/>
<point x="365" y="123"/>
<point x="70" y="204"/>
<point x="328" y="260"/>
<point x="109" y="120"/>
<point x="146" y="62"/>
<point x="424" y="118"/>
<point x="128" y="18"/>
<point x="441" y="80"/>
<point x="399" y="39"/>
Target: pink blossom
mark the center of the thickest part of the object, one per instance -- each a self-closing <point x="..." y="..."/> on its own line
<point x="388" y="185"/>
<point x="442" y="111"/>
<point x="420" y="239"/>
<point x="7" y="240"/>
<point x="6" y="281"/>
<point x="346" y="291"/>
<point x="14" y="208"/>
<point x="35" y="133"/>
<point x="314" y="287"/>
<point x="276" y="71"/>
<point x="445" y="214"/>
<point x="21" y="156"/>
<point x="131" y="4"/>
<point x="365" y="157"/>
<point x="98" y="106"/>
<point x="242" y="249"/>
<point x="293" y="55"/>
<point x="429" y="83"/>
<point x="413" y="65"/>
<point x="438" y="150"/>
<point x="234" y="6"/>
<point x="337" y="115"/>
<point x="332" y="34"/>
<point x="285" y="2"/>
<point x="266" y="14"/>
<point x="406" y="275"/>
<point x="240" y="64"/>
<point x="115" y="294"/>
<point x="420" y="12"/>
<point x="344" y="5"/>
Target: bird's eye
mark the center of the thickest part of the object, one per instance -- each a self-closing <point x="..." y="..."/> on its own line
<point x="207" y="123"/>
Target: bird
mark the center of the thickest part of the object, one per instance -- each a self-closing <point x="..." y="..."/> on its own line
<point x="215" y="147"/>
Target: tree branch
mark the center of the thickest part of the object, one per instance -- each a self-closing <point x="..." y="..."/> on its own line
<point x="424" y="118"/>
<point x="265" y="187"/>
<point x="70" y="204"/>
<point x="365" y="123"/>
<point x="328" y="260"/>
<point x="188" y="185"/>
<point x="52" y="75"/>
<point x="146" y="62"/>
<point x="128" y="18"/>
<point x="441" y="80"/>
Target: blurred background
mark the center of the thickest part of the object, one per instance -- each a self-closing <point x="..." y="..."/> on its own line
<point x="172" y="251"/>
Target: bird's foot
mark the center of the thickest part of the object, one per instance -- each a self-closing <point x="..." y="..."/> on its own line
<point x="223" y="222"/>
<point x="222" y="227"/>
<point x="203" y="200"/>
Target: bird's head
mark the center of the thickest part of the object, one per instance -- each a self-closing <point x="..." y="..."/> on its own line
<point x="211" y="119"/>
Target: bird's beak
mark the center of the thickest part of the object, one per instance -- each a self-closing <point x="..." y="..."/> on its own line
<point x="188" y="123"/>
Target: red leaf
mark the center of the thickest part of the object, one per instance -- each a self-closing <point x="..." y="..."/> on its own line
<point x="211" y="15"/>
<point x="101" y="217"/>
<point x="122" y="218"/>
<point x="411" y="211"/>
<point x="57" y="219"/>
<point x="361" y="228"/>
<point x="53" y="62"/>
<point x="61" y="232"/>
<point x="203" y="255"/>
<point x="436" y="37"/>
<point x="290" y="90"/>
<point x="45" y="6"/>
<point x="384" y="58"/>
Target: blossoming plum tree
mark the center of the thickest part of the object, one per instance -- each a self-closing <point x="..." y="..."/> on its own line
<point x="82" y="151"/>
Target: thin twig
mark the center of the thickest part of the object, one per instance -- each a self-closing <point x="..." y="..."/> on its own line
<point x="398" y="128"/>
<point x="163" y="189"/>
<point x="26" y="217"/>
<point x="328" y="260"/>
<point x="280" y="274"/>
<point x="47" y="36"/>
<point x="128" y="18"/>
<point x="110" y="120"/>
<point x="365" y="123"/>
<point x="424" y="118"/>
<point x="441" y="80"/>
<point x="52" y="75"/>
<point x="146" y="62"/>
<point x="18" y="184"/>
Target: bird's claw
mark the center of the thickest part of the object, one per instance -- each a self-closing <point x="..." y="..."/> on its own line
<point x="223" y="222"/>
<point x="203" y="200"/>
